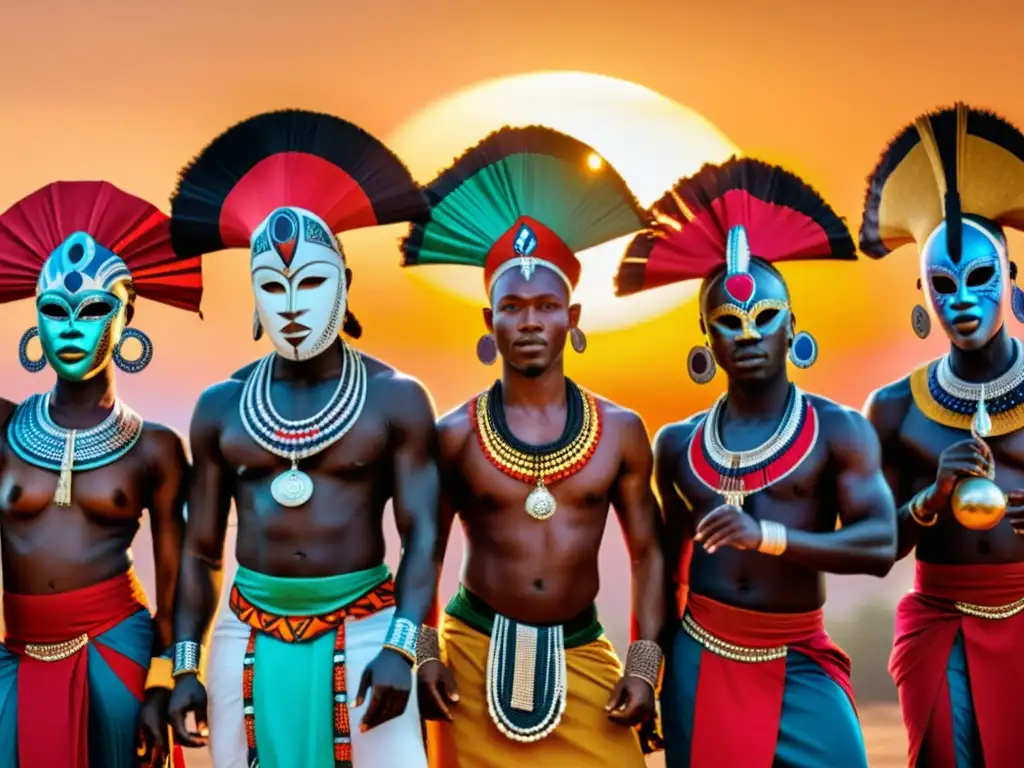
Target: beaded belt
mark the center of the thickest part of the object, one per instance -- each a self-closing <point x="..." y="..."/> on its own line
<point x="56" y="651"/>
<point x="991" y="611"/>
<point x="729" y="650"/>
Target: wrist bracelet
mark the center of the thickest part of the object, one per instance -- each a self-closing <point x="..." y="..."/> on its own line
<point x="160" y="673"/>
<point x="401" y="638"/>
<point x="186" y="658"/>
<point x="773" y="538"/>
<point x="428" y="645"/>
<point x="643" y="660"/>
<point x="914" y="508"/>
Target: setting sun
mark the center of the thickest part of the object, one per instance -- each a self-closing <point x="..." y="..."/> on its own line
<point x="651" y="140"/>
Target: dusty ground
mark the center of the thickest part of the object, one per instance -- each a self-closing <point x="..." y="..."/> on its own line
<point x="883" y="731"/>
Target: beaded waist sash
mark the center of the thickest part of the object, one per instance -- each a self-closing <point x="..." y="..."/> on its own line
<point x="526" y="668"/>
<point x="300" y="629"/>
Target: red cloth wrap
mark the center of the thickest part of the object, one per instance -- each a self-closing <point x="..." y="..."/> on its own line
<point x="926" y="627"/>
<point x="53" y="696"/>
<point x="739" y="704"/>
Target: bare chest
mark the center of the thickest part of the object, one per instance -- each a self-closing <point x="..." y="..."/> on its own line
<point x="115" y="492"/>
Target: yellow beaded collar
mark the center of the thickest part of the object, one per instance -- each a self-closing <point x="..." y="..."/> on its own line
<point x="1002" y="423"/>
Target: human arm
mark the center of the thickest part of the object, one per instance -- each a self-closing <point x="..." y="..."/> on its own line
<point x="436" y="685"/>
<point x="636" y="506"/>
<point x="202" y="558"/>
<point x="414" y="499"/>
<point x="918" y="507"/>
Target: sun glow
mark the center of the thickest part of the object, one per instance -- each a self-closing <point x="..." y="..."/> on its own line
<point x="650" y="139"/>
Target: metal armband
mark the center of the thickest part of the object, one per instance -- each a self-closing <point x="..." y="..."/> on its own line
<point x="187" y="654"/>
<point x="428" y="647"/>
<point x="401" y="638"/>
<point x="643" y="660"/>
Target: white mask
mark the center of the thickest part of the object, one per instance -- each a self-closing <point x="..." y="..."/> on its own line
<point x="298" y="280"/>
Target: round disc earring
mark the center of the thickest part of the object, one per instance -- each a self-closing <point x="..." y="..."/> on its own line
<point x="578" y="339"/>
<point x="1017" y="303"/>
<point x="921" y="321"/>
<point x="487" y="349"/>
<point x="803" y="351"/>
<point x="700" y="364"/>
<point x="136" y="365"/>
<point x="257" y="326"/>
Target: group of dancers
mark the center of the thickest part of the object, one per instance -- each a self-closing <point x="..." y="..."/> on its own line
<point x="325" y="659"/>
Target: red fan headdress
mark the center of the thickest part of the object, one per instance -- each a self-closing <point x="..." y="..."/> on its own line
<point x="289" y="159"/>
<point x="89" y="234"/>
<point x="726" y="214"/>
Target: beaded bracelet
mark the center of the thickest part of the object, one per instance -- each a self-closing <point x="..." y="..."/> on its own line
<point x="643" y="660"/>
<point x="401" y="638"/>
<point x="428" y="645"/>
<point x="186" y="658"/>
<point x="773" y="538"/>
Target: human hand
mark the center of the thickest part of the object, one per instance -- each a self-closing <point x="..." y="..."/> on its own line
<point x="631" y="702"/>
<point x="1015" y="511"/>
<point x="968" y="458"/>
<point x="728" y="526"/>
<point x="153" y="726"/>
<point x="390" y="677"/>
<point x="436" y="690"/>
<point x="189" y="697"/>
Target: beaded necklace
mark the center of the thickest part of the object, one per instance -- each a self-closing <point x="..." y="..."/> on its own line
<point x="738" y="474"/>
<point x="540" y="464"/>
<point x="38" y="440"/>
<point x="945" y="398"/>
<point x="301" y="438"/>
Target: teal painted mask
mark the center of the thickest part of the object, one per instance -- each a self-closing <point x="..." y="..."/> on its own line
<point x="82" y="300"/>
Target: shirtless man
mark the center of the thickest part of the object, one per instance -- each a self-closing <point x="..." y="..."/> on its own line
<point x="759" y="482"/>
<point x="311" y="442"/>
<point x="523" y="674"/>
<point x="78" y="468"/>
<point x="957" y="658"/>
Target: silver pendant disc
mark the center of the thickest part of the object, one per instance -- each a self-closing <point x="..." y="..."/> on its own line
<point x="292" y="488"/>
<point x="540" y="504"/>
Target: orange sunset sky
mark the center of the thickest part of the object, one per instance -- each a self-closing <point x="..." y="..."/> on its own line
<point x="129" y="92"/>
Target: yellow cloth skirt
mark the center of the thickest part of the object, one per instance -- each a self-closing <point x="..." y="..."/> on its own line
<point x="584" y="737"/>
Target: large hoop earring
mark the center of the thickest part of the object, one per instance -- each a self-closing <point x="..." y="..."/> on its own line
<point x="803" y="350"/>
<point x="700" y="364"/>
<point x="30" y="365"/>
<point x="487" y="349"/>
<point x="578" y="339"/>
<point x="136" y="365"/>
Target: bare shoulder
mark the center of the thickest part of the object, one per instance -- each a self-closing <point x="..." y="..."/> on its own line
<point x="404" y="399"/>
<point x="847" y="431"/>
<point x="671" y="440"/>
<point x="621" y="419"/>
<point x="454" y="429"/>
<point x="245" y="371"/>
<point x="887" y="407"/>
<point x="215" y="402"/>
<point x="6" y="409"/>
<point x="164" y="445"/>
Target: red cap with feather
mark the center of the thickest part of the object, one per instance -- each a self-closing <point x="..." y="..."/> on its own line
<point x="726" y="214"/>
<point x="113" y="226"/>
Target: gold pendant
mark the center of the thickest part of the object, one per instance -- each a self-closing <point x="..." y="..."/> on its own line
<point x="540" y="504"/>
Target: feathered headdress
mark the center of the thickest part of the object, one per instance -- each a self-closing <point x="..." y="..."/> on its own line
<point x="99" y="236"/>
<point x="724" y="215"/>
<point x="307" y="160"/>
<point x="523" y="197"/>
<point x="949" y="163"/>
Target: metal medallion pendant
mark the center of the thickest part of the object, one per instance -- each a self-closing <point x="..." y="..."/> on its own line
<point x="292" y="488"/>
<point x="540" y="504"/>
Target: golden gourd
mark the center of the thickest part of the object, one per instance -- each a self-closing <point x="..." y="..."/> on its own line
<point x="978" y="503"/>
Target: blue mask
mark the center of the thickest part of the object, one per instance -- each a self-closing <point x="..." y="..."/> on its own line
<point x="81" y="303"/>
<point x="967" y="295"/>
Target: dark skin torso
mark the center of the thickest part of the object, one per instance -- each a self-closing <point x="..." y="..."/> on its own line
<point x="806" y="500"/>
<point x="911" y="446"/>
<point x="340" y="529"/>
<point x="537" y="572"/>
